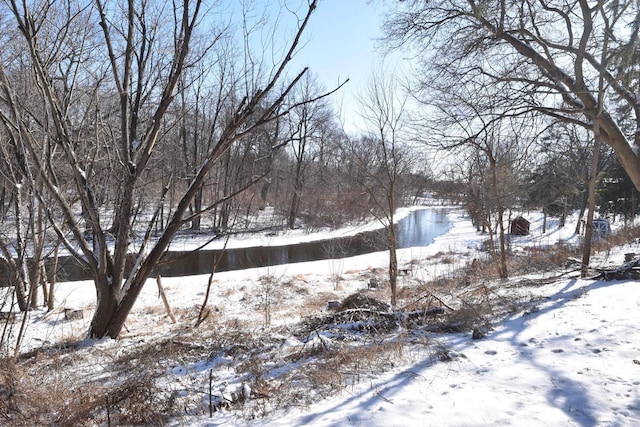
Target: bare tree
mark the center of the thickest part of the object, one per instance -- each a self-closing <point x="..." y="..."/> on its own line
<point x="147" y="47"/>
<point x="378" y="161"/>
<point x="306" y="123"/>
<point x="490" y="136"/>
<point x="598" y="133"/>
<point x="574" y="61"/>
<point x="493" y="177"/>
<point x="22" y="248"/>
<point x="550" y="187"/>
<point x="565" y="152"/>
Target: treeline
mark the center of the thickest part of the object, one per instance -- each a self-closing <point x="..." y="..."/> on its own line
<point x="123" y="124"/>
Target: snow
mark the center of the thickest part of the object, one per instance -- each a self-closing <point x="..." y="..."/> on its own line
<point x="569" y="357"/>
<point x="571" y="362"/>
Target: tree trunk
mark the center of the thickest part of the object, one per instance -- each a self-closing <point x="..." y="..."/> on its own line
<point x="502" y="266"/>
<point x="298" y="184"/>
<point x="393" y="263"/>
<point x="583" y="207"/>
<point x="503" y="247"/>
<point x="20" y="268"/>
<point x="197" y="207"/>
<point x="293" y="209"/>
<point x="103" y="317"/>
<point x="588" y="232"/>
<point x="37" y="277"/>
<point x="52" y="279"/>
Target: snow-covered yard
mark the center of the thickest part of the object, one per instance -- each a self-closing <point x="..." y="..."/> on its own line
<point x="571" y="360"/>
<point x="557" y="349"/>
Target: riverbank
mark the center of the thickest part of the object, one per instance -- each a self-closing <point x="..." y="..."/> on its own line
<point x="324" y="279"/>
<point x="279" y="237"/>
<point x="554" y="349"/>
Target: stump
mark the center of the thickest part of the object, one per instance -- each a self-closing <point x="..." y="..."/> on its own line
<point x="333" y="305"/>
<point x="73" y="314"/>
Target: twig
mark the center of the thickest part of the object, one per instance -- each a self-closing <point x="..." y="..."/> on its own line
<point x="379" y="394"/>
<point x="429" y="294"/>
<point x="211" y="393"/>
<point x="321" y="340"/>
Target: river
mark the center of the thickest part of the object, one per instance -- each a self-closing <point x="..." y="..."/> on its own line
<point x="418" y="228"/>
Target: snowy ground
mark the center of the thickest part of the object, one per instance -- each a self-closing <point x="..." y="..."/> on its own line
<point x="573" y="361"/>
<point x="570" y="355"/>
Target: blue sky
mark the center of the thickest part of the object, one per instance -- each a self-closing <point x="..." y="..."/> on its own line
<point x="341" y="44"/>
<point x="341" y="37"/>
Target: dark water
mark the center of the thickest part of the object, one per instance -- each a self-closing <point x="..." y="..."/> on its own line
<point x="419" y="228"/>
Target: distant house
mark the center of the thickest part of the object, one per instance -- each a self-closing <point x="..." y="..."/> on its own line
<point x="520" y="226"/>
<point x="601" y="227"/>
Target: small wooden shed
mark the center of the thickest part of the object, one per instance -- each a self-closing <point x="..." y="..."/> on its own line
<point x="520" y="226"/>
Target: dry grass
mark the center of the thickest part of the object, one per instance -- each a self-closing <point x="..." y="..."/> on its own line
<point x="229" y="292"/>
<point x="372" y="339"/>
<point x="28" y="400"/>
<point x="317" y="303"/>
<point x="621" y="237"/>
<point x="139" y="383"/>
<point x="542" y="259"/>
<point x="154" y="310"/>
<point x="299" y="278"/>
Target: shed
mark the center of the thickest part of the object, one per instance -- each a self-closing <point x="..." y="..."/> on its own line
<point x="520" y="226"/>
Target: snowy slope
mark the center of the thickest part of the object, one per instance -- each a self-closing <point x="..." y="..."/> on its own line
<point x="570" y="357"/>
<point x="572" y="361"/>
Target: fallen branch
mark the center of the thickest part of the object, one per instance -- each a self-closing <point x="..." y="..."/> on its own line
<point x="164" y="300"/>
<point x="628" y="271"/>
<point x="429" y="295"/>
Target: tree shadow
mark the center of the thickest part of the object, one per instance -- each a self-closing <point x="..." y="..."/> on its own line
<point x="383" y="393"/>
<point x="567" y="394"/>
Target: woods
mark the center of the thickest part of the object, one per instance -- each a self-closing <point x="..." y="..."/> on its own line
<point x="106" y="79"/>
<point x="198" y="225"/>
<point x="125" y="125"/>
<point x="537" y="66"/>
<point x="572" y="63"/>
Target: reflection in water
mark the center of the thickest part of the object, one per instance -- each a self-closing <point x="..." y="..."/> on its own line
<point x="419" y="228"/>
